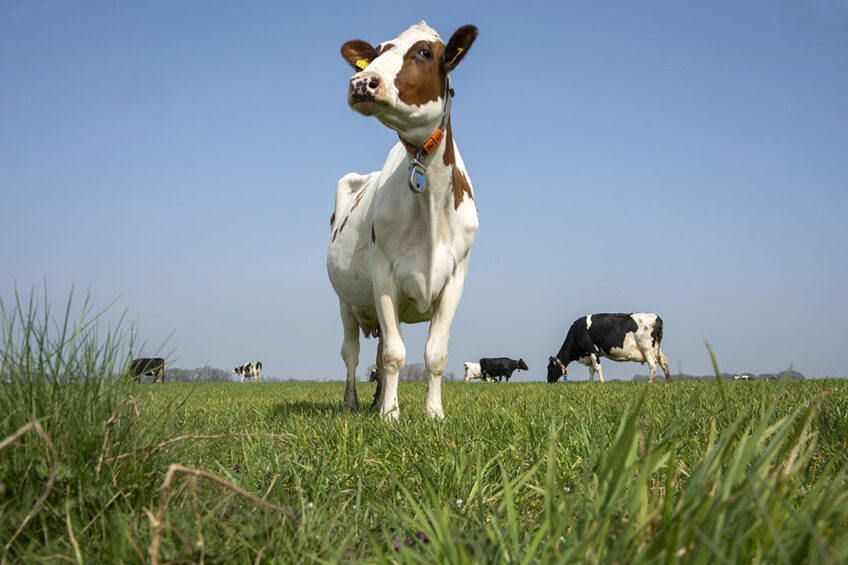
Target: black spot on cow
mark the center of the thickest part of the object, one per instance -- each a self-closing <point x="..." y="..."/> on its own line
<point x="656" y="334"/>
<point x="147" y="366"/>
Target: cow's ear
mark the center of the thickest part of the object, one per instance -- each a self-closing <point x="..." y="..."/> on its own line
<point x="459" y="44"/>
<point x="358" y="53"/>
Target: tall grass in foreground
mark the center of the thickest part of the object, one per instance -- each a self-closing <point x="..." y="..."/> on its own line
<point x="61" y="394"/>
<point x="94" y="469"/>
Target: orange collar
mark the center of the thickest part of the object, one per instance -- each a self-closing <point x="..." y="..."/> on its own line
<point x="417" y="170"/>
<point x="429" y="146"/>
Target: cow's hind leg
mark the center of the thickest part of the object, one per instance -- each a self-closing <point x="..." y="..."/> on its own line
<point x="650" y="358"/>
<point x="378" y="392"/>
<point x="350" y="355"/>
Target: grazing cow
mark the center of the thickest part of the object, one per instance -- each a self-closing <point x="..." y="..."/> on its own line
<point x="401" y="236"/>
<point x="620" y="337"/>
<point x="374" y="376"/>
<point x="249" y="370"/>
<point x="148" y="366"/>
<point x="499" y="367"/>
<point x="472" y="371"/>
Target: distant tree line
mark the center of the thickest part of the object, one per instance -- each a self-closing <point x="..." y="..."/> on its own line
<point x="727" y="376"/>
<point x="199" y="375"/>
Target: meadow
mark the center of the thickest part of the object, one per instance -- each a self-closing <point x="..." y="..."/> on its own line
<point x="101" y="470"/>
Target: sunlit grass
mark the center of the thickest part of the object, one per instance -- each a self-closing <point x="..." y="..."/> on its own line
<point x="518" y="472"/>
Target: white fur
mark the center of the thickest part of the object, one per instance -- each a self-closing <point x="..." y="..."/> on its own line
<point x="473" y="371"/>
<point x="416" y="269"/>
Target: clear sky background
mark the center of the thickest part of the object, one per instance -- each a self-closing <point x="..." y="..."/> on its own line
<point x="671" y="157"/>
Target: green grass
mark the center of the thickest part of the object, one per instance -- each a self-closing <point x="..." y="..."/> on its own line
<point x="274" y="472"/>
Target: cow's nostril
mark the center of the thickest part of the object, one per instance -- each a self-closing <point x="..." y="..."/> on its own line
<point x="374" y="83"/>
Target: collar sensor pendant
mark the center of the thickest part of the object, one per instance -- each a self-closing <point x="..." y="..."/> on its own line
<point x="417" y="177"/>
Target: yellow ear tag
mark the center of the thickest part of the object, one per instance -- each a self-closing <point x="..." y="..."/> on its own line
<point x="362" y="63"/>
<point x="458" y="51"/>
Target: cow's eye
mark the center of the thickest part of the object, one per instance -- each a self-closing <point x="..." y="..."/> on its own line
<point x="426" y="53"/>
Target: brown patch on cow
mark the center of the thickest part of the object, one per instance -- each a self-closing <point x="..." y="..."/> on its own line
<point x="335" y="233"/>
<point x="358" y="198"/>
<point x="341" y="227"/>
<point x="383" y="48"/>
<point x="332" y="219"/>
<point x="357" y="50"/>
<point x="461" y="188"/>
<point x="421" y="79"/>
<point x="373" y="235"/>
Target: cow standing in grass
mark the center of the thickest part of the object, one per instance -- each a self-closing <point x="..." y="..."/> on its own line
<point x="472" y="371"/>
<point x="620" y="337"/>
<point x="500" y="367"/>
<point x="401" y="237"/>
<point x="148" y="366"/>
<point x="249" y="370"/>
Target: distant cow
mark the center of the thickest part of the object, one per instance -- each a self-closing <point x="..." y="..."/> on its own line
<point x="374" y="376"/>
<point x="498" y="367"/>
<point x="620" y="337"/>
<point x="249" y="370"/>
<point x="147" y="366"/>
<point x="472" y="371"/>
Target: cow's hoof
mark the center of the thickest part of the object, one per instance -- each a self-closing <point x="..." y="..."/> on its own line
<point x="436" y="413"/>
<point x="392" y="414"/>
<point x="350" y="405"/>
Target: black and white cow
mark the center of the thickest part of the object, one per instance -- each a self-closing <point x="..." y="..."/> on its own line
<point x="620" y="337"/>
<point x="147" y="366"/>
<point x="497" y="367"/>
<point x="249" y="370"/>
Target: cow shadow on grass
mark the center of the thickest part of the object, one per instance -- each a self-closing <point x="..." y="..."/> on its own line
<point x="311" y="408"/>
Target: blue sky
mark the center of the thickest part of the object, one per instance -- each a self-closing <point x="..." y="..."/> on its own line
<point x="689" y="160"/>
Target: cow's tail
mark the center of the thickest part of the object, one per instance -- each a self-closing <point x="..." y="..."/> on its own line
<point x="657" y="334"/>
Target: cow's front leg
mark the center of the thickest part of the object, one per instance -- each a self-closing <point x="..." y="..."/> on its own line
<point x="394" y="354"/>
<point x="597" y="363"/>
<point x="394" y="350"/>
<point x="350" y="355"/>
<point x="436" y="350"/>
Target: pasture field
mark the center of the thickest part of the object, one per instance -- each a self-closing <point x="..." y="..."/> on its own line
<point x="621" y="472"/>
<point x="96" y="470"/>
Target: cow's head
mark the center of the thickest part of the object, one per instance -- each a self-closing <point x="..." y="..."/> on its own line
<point x="402" y="82"/>
<point x="522" y="366"/>
<point x="556" y="370"/>
<point x="238" y="370"/>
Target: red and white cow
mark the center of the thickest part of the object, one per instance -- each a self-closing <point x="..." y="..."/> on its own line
<point x="401" y="236"/>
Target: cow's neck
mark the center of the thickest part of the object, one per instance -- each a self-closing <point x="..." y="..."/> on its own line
<point x="439" y="169"/>
<point x="436" y="204"/>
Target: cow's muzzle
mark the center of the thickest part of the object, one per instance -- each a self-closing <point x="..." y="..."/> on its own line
<point x="364" y="88"/>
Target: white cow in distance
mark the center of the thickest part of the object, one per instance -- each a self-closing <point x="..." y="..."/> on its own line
<point x="401" y="237"/>
<point x="472" y="371"/>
